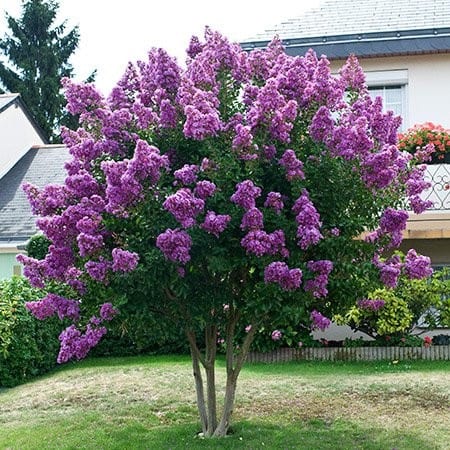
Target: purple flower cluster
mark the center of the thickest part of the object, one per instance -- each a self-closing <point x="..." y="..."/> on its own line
<point x="107" y="312"/>
<point x="274" y="200"/>
<point x="417" y="266"/>
<point x="293" y="166"/>
<point x="184" y="206"/>
<point x="390" y="270"/>
<point x="75" y="344"/>
<point x="272" y="110"/>
<point x="246" y="194"/>
<point x="123" y="260"/>
<point x="204" y="189"/>
<point x="276" y="335"/>
<point x="318" y="285"/>
<point x="370" y="304"/>
<point x="175" y="245"/>
<point x="279" y="272"/>
<point x="98" y="270"/>
<point x="252" y="219"/>
<point x="187" y="174"/>
<point x="319" y="321"/>
<point x="53" y="304"/>
<point x="308" y="221"/>
<point x="124" y="178"/>
<point x="215" y="223"/>
<point x="259" y="243"/>
<point x="393" y="222"/>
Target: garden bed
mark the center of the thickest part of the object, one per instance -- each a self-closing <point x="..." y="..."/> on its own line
<point x="433" y="353"/>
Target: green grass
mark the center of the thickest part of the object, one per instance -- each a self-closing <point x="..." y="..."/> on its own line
<point x="149" y="403"/>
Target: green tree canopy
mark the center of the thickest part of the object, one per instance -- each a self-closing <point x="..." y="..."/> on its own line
<point x="37" y="56"/>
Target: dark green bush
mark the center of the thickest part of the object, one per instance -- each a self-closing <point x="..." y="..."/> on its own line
<point x="37" y="246"/>
<point x="28" y="347"/>
<point x="139" y="332"/>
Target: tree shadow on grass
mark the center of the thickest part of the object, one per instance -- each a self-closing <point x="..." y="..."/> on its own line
<point x="312" y="435"/>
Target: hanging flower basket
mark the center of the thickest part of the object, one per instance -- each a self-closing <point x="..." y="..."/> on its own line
<point x="422" y="138"/>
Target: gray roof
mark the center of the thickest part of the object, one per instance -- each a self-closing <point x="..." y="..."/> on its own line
<point x="40" y="166"/>
<point x="366" y="28"/>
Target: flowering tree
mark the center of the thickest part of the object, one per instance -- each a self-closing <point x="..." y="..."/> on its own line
<point x="228" y="196"/>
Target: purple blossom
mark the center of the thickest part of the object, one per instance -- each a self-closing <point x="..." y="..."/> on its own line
<point x="252" y="220"/>
<point x="98" y="270"/>
<point x="204" y="189"/>
<point x="335" y="231"/>
<point x="318" y="285"/>
<point x="393" y="222"/>
<point x="54" y="304"/>
<point x="107" y="311"/>
<point x="187" y="174"/>
<point x="276" y="335"/>
<point x="371" y="304"/>
<point x="308" y="220"/>
<point x="417" y="266"/>
<point x="390" y="270"/>
<point x="89" y="244"/>
<point x="352" y="75"/>
<point x="246" y="194"/>
<point x="274" y="201"/>
<point x="184" y="206"/>
<point x="319" y="321"/>
<point x="293" y="166"/>
<point x="215" y="223"/>
<point x="123" y="260"/>
<point x="418" y="205"/>
<point x="259" y="243"/>
<point x="175" y="245"/>
<point x="75" y="344"/>
<point x="279" y="272"/>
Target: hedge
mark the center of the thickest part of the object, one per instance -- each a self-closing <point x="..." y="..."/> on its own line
<point x="28" y="347"/>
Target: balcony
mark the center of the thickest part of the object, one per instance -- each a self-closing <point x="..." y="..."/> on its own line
<point x="435" y="222"/>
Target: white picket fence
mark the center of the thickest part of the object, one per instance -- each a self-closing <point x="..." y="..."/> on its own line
<point x="433" y="353"/>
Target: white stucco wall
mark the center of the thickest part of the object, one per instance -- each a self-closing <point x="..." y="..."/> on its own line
<point x="17" y="136"/>
<point x="428" y="87"/>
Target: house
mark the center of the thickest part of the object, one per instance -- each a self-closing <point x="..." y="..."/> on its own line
<point x="41" y="165"/>
<point x="24" y="157"/>
<point x="18" y="131"/>
<point x="404" y="49"/>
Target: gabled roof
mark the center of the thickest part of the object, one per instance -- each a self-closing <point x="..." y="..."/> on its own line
<point x="7" y="100"/>
<point x="40" y="166"/>
<point x="366" y="28"/>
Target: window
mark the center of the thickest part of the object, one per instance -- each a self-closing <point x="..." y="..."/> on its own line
<point x="391" y="86"/>
<point x="17" y="270"/>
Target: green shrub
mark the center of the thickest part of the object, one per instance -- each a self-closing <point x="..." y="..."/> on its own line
<point x="37" y="246"/>
<point x="28" y="347"/>
<point x="139" y="332"/>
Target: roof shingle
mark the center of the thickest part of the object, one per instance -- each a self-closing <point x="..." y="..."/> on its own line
<point x="343" y="17"/>
<point x="40" y="166"/>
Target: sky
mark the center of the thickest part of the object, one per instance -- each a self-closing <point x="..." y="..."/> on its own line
<point x="115" y="32"/>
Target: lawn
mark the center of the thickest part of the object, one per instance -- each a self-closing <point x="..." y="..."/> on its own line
<point x="149" y="403"/>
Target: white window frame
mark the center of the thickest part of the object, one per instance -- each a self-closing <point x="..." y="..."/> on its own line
<point x="392" y="78"/>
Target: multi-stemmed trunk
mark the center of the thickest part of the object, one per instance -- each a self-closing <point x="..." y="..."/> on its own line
<point x="207" y="404"/>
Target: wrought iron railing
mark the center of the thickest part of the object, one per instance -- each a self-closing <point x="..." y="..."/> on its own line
<point x="439" y="192"/>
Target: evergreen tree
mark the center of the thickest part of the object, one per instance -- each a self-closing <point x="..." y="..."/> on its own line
<point x="37" y="53"/>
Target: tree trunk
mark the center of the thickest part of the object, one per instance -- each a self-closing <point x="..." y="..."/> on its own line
<point x="210" y="370"/>
<point x="198" y="381"/>
<point x="208" y="410"/>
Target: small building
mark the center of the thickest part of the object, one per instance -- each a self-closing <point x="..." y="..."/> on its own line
<point x="25" y="156"/>
<point x="41" y="165"/>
